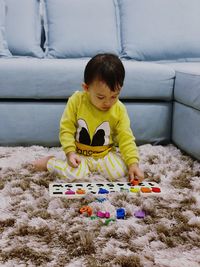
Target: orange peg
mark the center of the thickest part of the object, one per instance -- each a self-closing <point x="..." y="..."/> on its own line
<point x="86" y="209"/>
<point x="146" y="190"/>
<point x="80" y="191"/>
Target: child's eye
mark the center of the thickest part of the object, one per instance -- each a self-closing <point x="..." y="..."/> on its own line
<point x="114" y="97"/>
<point x="100" y="97"/>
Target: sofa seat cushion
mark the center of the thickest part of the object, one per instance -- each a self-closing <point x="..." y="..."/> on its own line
<point x="147" y="80"/>
<point x="40" y="78"/>
<point x="35" y="78"/>
<point x="187" y="83"/>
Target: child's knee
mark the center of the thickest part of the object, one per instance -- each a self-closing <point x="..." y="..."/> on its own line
<point x="114" y="166"/>
<point x="64" y="170"/>
<point x="41" y="164"/>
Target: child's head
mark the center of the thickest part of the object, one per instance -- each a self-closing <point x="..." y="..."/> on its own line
<point x="103" y="79"/>
<point x="106" y="68"/>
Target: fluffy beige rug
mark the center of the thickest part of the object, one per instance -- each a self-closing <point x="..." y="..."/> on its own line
<point x="36" y="230"/>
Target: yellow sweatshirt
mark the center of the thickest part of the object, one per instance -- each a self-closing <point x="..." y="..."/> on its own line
<point x="92" y="132"/>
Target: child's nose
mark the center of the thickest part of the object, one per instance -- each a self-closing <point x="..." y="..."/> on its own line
<point x="107" y="103"/>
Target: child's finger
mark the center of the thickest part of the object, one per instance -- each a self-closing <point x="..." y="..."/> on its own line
<point x="140" y="178"/>
<point x="73" y="163"/>
<point x="131" y="177"/>
<point x="141" y="175"/>
<point x="77" y="163"/>
<point x="78" y="160"/>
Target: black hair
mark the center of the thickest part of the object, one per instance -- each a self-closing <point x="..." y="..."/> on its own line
<point x="107" y="68"/>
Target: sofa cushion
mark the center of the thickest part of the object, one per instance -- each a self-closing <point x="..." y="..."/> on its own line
<point x="3" y="41"/>
<point x="40" y="122"/>
<point x="186" y="129"/>
<point x="59" y="78"/>
<point x="147" y="80"/>
<point x="81" y="28"/>
<point x="187" y="84"/>
<point x="154" y="29"/>
<point x="150" y="121"/>
<point x="23" y="27"/>
<point x="40" y="78"/>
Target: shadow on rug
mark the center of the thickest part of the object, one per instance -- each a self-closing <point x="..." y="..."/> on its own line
<point x="37" y="230"/>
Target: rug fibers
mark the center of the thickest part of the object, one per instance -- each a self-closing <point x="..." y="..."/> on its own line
<point x="37" y="230"/>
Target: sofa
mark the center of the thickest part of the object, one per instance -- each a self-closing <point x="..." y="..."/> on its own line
<point x="45" y="45"/>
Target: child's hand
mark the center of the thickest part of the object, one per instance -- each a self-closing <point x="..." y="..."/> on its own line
<point x="73" y="159"/>
<point x="135" y="172"/>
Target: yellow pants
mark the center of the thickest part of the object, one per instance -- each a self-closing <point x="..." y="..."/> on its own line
<point x="111" y="166"/>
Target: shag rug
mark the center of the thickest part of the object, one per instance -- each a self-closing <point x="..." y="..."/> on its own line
<point x="36" y="230"/>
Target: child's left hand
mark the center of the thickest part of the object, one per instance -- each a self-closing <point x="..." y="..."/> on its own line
<point x="135" y="172"/>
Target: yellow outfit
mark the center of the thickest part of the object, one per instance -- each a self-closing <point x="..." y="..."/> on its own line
<point x="94" y="134"/>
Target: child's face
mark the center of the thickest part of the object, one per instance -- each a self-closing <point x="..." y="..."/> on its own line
<point x="100" y="95"/>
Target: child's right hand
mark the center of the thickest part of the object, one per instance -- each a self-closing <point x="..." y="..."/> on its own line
<point x="73" y="159"/>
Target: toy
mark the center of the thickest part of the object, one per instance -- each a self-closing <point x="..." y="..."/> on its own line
<point x="146" y="190"/>
<point x="86" y="209"/>
<point x="135" y="189"/>
<point x="120" y="214"/>
<point x="156" y="189"/>
<point x="134" y="182"/>
<point x="94" y="217"/>
<point x="101" y="214"/>
<point x="69" y="192"/>
<point x="140" y="214"/>
<point x="124" y="190"/>
<point x="78" y="190"/>
<point x="107" y="221"/>
<point x="101" y="199"/>
<point x="103" y="191"/>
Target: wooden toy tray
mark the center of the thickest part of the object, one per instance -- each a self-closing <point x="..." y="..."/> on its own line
<point x="78" y="190"/>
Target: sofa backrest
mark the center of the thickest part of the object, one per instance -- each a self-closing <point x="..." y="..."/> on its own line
<point x="81" y="28"/>
<point x="23" y="27"/>
<point x="147" y="30"/>
<point x="160" y="29"/>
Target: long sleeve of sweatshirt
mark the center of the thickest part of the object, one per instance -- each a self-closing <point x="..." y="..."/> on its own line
<point x="68" y="125"/>
<point x="126" y="139"/>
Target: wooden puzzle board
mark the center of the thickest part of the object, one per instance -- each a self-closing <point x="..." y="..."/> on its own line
<point x="78" y="190"/>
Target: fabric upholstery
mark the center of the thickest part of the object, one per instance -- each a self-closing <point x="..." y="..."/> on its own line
<point x="187" y="86"/>
<point x="30" y="123"/>
<point x="150" y="121"/>
<point x="186" y="129"/>
<point x="81" y="28"/>
<point x="23" y="28"/>
<point x="154" y="29"/>
<point x="3" y="41"/>
<point x="147" y="80"/>
<point x="59" y="78"/>
<point x="40" y="122"/>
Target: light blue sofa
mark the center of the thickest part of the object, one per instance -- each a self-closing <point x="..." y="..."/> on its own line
<point x="158" y="42"/>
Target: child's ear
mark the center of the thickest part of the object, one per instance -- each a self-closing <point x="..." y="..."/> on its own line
<point x="85" y="86"/>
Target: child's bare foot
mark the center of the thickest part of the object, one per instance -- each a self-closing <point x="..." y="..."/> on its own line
<point x="41" y="164"/>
